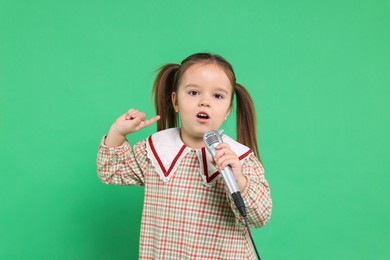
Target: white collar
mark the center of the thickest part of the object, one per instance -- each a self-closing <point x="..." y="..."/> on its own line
<point x="166" y="149"/>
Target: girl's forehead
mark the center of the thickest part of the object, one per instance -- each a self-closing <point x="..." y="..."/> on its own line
<point x="202" y="66"/>
<point x="205" y="73"/>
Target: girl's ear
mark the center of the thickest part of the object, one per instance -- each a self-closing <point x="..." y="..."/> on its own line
<point x="174" y="102"/>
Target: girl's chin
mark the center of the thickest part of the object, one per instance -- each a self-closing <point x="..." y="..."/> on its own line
<point x="197" y="131"/>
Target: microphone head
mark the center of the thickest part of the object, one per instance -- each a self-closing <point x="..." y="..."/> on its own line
<point x="211" y="140"/>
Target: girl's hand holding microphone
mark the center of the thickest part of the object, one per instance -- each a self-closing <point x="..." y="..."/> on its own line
<point x="227" y="157"/>
<point x="128" y="123"/>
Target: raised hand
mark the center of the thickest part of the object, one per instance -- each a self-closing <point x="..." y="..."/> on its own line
<point x="133" y="121"/>
<point x="128" y="123"/>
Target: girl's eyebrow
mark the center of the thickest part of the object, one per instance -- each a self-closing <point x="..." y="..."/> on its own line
<point x="191" y="85"/>
<point x="197" y="86"/>
<point x="222" y="90"/>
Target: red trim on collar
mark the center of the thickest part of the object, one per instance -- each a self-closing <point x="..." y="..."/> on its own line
<point x="205" y="170"/>
<point x="245" y="154"/>
<point x="166" y="173"/>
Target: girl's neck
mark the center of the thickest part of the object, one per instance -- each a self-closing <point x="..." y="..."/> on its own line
<point x="194" y="143"/>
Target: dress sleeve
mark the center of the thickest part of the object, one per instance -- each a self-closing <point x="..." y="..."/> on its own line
<point x="122" y="165"/>
<point x="256" y="195"/>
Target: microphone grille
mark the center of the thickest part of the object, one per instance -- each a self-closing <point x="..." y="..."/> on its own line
<point x="211" y="138"/>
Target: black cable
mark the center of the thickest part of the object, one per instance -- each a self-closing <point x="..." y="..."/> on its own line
<point x="240" y="204"/>
<point x="250" y="235"/>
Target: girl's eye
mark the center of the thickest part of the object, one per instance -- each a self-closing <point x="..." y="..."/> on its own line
<point x="218" y="96"/>
<point x="193" y="93"/>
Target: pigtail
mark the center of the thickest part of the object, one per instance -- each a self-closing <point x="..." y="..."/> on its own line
<point x="163" y="87"/>
<point x="246" y="119"/>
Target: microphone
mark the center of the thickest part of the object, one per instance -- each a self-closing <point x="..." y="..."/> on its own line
<point x="211" y="140"/>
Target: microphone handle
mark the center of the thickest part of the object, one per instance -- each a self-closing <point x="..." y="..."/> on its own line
<point x="231" y="183"/>
<point x="240" y="204"/>
<point x="228" y="177"/>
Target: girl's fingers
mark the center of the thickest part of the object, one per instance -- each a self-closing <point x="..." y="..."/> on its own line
<point x="225" y="156"/>
<point x="227" y="160"/>
<point x="147" y="123"/>
<point x="151" y="121"/>
<point x="138" y="119"/>
<point x="130" y="114"/>
<point x="134" y="114"/>
<point x="130" y="111"/>
<point x="222" y="146"/>
<point x="142" y="115"/>
<point x="223" y="152"/>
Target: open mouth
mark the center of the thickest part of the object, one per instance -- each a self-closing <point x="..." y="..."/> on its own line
<point x="202" y="115"/>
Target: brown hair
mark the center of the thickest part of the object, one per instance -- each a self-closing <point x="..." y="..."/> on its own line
<point x="167" y="81"/>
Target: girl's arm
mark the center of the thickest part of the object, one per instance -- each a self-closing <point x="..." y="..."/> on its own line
<point x="117" y="162"/>
<point x="250" y="180"/>
<point x="256" y="194"/>
<point x="122" y="165"/>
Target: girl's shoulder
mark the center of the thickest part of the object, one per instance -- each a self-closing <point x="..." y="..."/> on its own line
<point x="169" y="135"/>
<point x="241" y="150"/>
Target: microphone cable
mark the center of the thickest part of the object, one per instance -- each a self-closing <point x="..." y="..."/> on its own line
<point x="250" y="235"/>
<point x="241" y="208"/>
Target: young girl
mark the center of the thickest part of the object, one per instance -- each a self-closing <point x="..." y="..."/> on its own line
<point x="188" y="210"/>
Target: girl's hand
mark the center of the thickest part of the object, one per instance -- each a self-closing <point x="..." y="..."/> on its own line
<point x="132" y="121"/>
<point x="128" y="123"/>
<point x="226" y="157"/>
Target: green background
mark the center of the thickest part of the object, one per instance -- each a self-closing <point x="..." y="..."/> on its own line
<point x="318" y="72"/>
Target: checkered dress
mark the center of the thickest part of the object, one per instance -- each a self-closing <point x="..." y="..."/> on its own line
<point x="188" y="211"/>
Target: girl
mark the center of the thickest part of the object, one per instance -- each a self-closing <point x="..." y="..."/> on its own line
<point x="188" y="210"/>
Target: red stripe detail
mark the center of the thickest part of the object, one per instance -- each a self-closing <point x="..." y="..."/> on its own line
<point x="176" y="158"/>
<point x="156" y="156"/>
<point x="166" y="173"/>
<point x="212" y="177"/>
<point x="205" y="170"/>
<point x="245" y="154"/>
<point x="204" y="161"/>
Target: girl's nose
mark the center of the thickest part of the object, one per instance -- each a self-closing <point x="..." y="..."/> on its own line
<point x="204" y="102"/>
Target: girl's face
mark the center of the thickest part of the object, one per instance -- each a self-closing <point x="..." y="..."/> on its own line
<point x="203" y="99"/>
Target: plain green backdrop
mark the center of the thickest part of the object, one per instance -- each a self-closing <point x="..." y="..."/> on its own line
<point x="318" y="71"/>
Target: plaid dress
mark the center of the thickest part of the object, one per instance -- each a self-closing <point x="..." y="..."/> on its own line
<point x="188" y="211"/>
